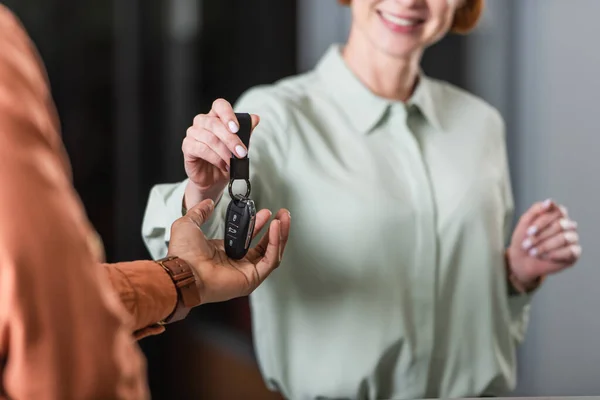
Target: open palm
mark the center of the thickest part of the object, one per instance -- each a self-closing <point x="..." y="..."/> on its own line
<point x="220" y="277"/>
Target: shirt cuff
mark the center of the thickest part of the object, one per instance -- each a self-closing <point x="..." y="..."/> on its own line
<point x="146" y="291"/>
<point x="174" y="209"/>
<point x="519" y="307"/>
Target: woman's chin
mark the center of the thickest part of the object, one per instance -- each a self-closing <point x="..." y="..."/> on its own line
<point x="401" y="50"/>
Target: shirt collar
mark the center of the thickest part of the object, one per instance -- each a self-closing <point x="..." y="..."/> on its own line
<point x="361" y="106"/>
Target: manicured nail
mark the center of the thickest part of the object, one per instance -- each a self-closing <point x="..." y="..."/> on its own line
<point x="547" y="203"/>
<point x="571" y="237"/>
<point x="564" y="211"/>
<point x="233" y="127"/>
<point x="227" y="168"/>
<point x="564" y="224"/>
<point x="533" y="252"/>
<point x="527" y="244"/>
<point x="240" y="151"/>
<point x="289" y="214"/>
<point x="531" y="230"/>
<point x="576" y="250"/>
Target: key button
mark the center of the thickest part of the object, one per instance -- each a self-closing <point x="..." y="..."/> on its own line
<point x="234" y="218"/>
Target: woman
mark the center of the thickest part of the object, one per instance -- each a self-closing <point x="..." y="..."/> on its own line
<point x="405" y="288"/>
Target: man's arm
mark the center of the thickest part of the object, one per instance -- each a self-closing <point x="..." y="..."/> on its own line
<point x="62" y="329"/>
<point x="146" y="291"/>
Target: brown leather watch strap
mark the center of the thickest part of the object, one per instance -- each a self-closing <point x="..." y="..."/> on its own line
<point x="187" y="290"/>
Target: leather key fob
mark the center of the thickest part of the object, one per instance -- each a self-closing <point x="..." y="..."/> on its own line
<point x="241" y="212"/>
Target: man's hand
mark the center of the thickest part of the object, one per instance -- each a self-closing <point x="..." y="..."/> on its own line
<point x="219" y="277"/>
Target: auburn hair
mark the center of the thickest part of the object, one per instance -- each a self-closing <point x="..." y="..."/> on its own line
<point x="465" y="18"/>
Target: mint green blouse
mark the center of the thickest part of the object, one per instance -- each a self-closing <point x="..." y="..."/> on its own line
<point x="393" y="281"/>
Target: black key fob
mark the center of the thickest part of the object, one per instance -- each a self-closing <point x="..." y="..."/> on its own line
<point x="239" y="226"/>
<point x="241" y="213"/>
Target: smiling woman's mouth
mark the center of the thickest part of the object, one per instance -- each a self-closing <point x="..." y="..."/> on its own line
<point x="400" y="23"/>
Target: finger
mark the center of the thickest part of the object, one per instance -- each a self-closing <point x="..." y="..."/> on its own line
<point x="201" y="212"/>
<point x="223" y="110"/>
<point x="568" y="254"/>
<point x="198" y="150"/>
<point x="233" y="123"/>
<point x="271" y="251"/>
<point x="564" y="211"/>
<point x="217" y="127"/>
<point x="262" y="217"/>
<point x="555" y="228"/>
<point x="285" y="219"/>
<point x="255" y="120"/>
<point x="227" y="126"/>
<point x="539" y="216"/>
<point x="212" y="141"/>
<point x="543" y="222"/>
<point x="534" y="211"/>
<point x="563" y="239"/>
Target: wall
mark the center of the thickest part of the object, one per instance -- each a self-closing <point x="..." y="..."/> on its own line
<point x="536" y="61"/>
<point x="320" y="23"/>
<point x="556" y="140"/>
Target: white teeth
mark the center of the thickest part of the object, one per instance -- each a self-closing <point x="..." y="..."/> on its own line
<point x="397" y="20"/>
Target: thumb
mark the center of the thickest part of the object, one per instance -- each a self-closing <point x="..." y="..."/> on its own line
<point x="255" y="121"/>
<point x="201" y="212"/>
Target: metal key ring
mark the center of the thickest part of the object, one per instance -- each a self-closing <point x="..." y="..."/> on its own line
<point x="248" y="188"/>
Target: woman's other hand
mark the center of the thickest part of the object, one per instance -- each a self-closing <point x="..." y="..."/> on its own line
<point x="207" y="150"/>
<point x="545" y="241"/>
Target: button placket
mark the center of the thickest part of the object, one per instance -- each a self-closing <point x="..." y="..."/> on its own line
<point x="424" y="271"/>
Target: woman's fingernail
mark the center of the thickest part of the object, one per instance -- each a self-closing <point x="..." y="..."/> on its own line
<point x="527" y="244"/>
<point x="533" y="252"/>
<point x="547" y="203"/>
<point x="240" y="151"/>
<point x="531" y="230"/>
<point x="576" y="250"/>
<point x="233" y="127"/>
<point x="227" y="168"/>
<point x="565" y="224"/>
<point x="571" y="237"/>
<point x="564" y="211"/>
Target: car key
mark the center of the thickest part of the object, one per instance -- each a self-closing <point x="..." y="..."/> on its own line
<point x="241" y="212"/>
<point x="241" y="215"/>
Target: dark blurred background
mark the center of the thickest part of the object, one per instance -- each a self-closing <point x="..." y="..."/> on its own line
<point x="128" y="76"/>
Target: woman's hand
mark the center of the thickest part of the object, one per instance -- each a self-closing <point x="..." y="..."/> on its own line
<point x="207" y="151"/>
<point x="545" y="241"/>
<point x="220" y="278"/>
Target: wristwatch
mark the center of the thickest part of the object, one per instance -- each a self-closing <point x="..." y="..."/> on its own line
<point x="185" y="283"/>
